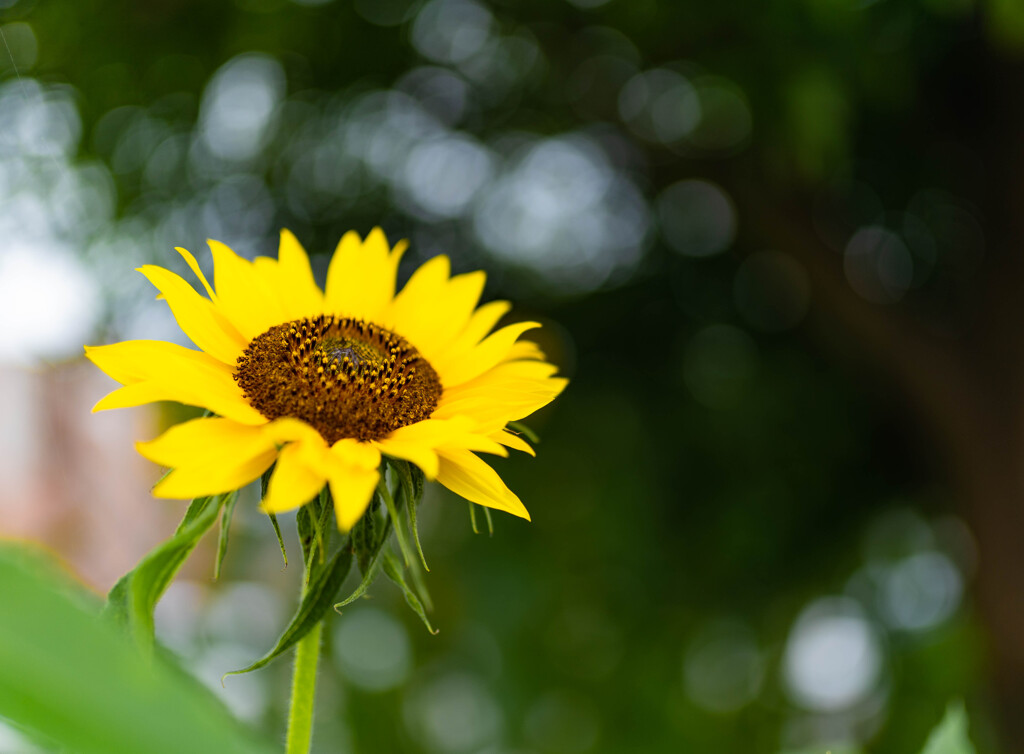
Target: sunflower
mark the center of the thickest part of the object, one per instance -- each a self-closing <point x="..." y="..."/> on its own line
<point x="320" y="384"/>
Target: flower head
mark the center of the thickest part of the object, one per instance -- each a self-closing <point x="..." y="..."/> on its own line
<point x="320" y="384"/>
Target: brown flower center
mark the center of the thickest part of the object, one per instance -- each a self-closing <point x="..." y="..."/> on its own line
<point x="346" y="377"/>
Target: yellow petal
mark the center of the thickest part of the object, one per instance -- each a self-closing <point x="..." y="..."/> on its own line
<point x="509" y="391"/>
<point x="433" y="319"/>
<point x="295" y="481"/>
<point x="243" y="295"/>
<point x="423" y="456"/>
<point x="171" y="372"/>
<point x="481" y="322"/>
<point x="289" y="429"/>
<point x="361" y="276"/>
<point x="136" y="394"/>
<point x="205" y="440"/>
<point x="514" y="377"/>
<point x="209" y="456"/>
<point x="189" y="482"/>
<point x="492" y="350"/>
<point x="524" y="349"/>
<point x="352" y="490"/>
<point x="468" y="476"/>
<point x="353" y="452"/>
<point x="432" y="309"/>
<point x="491" y="414"/>
<point x="137" y="360"/>
<point x="194" y="265"/>
<point x="290" y="279"/>
<point x="506" y="393"/>
<point x="425" y="285"/>
<point x="418" y="443"/>
<point x="300" y="295"/>
<point x="353" y="478"/>
<point x="517" y="376"/>
<point x="514" y="441"/>
<point x="197" y="317"/>
<point x="484" y="319"/>
<point x="490" y="417"/>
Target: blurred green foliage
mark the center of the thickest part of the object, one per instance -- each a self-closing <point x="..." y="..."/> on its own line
<point x="73" y="679"/>
<point x="950" y="736"/>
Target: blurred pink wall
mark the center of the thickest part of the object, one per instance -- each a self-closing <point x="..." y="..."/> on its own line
<point x="72" y="480"/>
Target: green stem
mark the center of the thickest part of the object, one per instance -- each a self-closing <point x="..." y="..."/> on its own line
<point x="300" y="714"/>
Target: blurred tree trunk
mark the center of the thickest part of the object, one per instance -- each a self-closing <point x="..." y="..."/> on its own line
<point x="969" y="406"/>
<point x="967" y="389"/>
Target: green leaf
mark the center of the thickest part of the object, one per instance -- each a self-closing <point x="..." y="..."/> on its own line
<point x="72" y="679"/>
<point x="195" y="509"/>
<point x="225" y="531"/>
<point x="950" y="735"/>
<point x="323" y="587"/>
<point x="393" y="570"/>
<point x="131" y="602"/>
<point x="472" y="518"/>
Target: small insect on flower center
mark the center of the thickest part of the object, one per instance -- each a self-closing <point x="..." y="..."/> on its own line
<point x="346" y="377"/>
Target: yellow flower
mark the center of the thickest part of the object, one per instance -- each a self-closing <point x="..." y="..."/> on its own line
<point x="325" y="382"/>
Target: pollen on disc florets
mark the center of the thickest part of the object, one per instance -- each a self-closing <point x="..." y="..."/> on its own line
<point x="346" y="377"/>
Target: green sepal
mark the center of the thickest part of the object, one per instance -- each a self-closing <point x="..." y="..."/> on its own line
<point x="487" y="515"/>
<point x="322" y="532"/>
<point x="366" y="535"/>
<point x="225" y="531"/>
<point x="393" y="570"/>
<point x="131" y="602"/>
<point x="370" y="536"/>
<point x="524" y="430"/>
<point x="264" y="481"/>
<point x="370" y="569"/>
<point x="389" y="503"/>
<point x="311" y="521"/>
<point x="411" y="482"/>
<point x="411" y="479"/>
<point x="280" y="539"/>
<point x="421" y="587"/>
<point x="323" y="586"/>
<point x="306" y="529"/>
